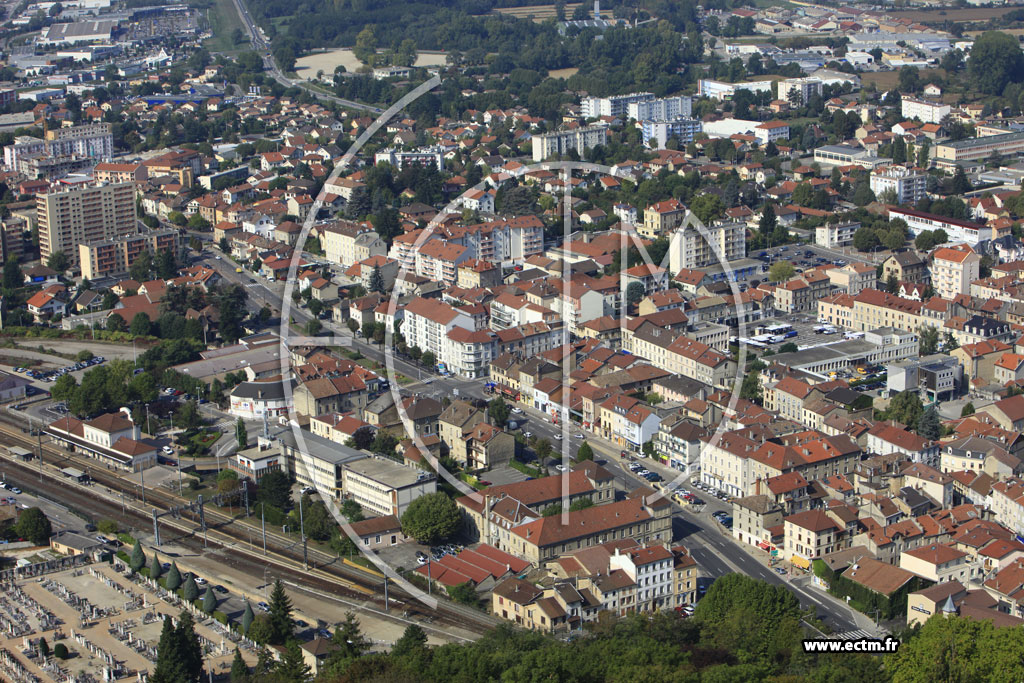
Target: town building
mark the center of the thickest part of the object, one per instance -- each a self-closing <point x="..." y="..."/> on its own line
<point x="72" y="215"/>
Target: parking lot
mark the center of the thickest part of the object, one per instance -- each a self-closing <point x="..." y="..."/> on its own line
<point x="52" y="375"/>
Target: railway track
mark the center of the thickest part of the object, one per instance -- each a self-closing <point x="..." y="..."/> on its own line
<point x="327" y="572"/>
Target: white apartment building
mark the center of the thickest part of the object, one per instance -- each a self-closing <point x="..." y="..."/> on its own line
<point x="957" y="230"/>
<point x="954" y="269"/>
<point x="439" y="260"/>
<point x="656" y="134"/>
<point x="468" y="353"/>
<point x="616" y="105"/>
<point x="688" y="248"/>
<point x="771" y="131"/>
<point x="383" y="487"/>
<point x="720" y="90"/>
<point x="924" y="110"/>
<point x="428" y="322"/>
<point x="560" y="142"/>
<point x="832" y="235"/>
<point x="664" y="109"/>
<point x="93" y="140"/>
<point x="806" y="88"/>
<point x="427" y="156"/>
<point x="909" y="184"/>
<point x="651" y="570"/>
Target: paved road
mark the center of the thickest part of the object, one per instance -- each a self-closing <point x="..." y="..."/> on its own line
<point x="271" y="66"/>
<point x="717" y="552"/>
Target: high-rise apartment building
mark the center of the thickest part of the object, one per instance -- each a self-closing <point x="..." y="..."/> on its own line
<point x="113" y="257"/>
<point x="616" y="105"/>
<point x="664" y="109"/>
<point x="81" y="214"/>
<point x="561" y="141"/>
<point x="908" y="184"/>
<point x="92" y="140"/>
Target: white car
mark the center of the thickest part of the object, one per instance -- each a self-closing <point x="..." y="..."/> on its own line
<point x="558" y="437"/>
<point x="578" y="436"/>
<point x="527" y="434"/>
<point x="561" y="468"/>
<point x="200" y="581"/>
<point x="168" y="450"/>
<point x="517" y="410"/>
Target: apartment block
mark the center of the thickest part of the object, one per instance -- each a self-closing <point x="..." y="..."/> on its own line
<point x="83" y="214"/>
<point x="688" y="248"/>
<point x="616" y="105"/>
<point x="664" y="109"/>
<point x="1008" y="144"/>
<point x="349" y="243"/>
<point x="799" y="90"/>
<point x="924" y="110"/>
<point x="832" y="235"/>
<point x="383" y="487"/>
<point x="908" y="184"/>
<point x="93" y="140"/>
<point x="429" y="156"/>
<point x="113" y="257"/>
<point x="957" y="230"/>
<point x="657" y="133"/>
<point x="561" y="142"/>
<point x="954" y="269"/>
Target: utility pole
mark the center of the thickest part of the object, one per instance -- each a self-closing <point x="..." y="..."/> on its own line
<point x="40" y="443"/>
<point x="179" y="474"/>
<point x="202" y="517"/>
<point x="142" y="473"/>
<point x="302" y="535"/>
<point x="385" y="592"/>
<point x="263" y="522"/>
<point x="156" y="527"/>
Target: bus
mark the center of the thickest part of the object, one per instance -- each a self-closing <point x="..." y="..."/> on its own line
<point x="779" y="329"/>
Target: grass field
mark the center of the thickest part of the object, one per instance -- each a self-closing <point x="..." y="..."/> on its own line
<point x="224" y="20"/>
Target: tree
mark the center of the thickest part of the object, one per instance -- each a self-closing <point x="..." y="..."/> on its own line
<point x="44" y="649"/>
<point x="781" y="271"/>
<point x="377" y="281"/>
<point x="241" y="435"/>
<point x="64" y="388"/>
<point x="929" y="340"/>
<point x="60" y="651"/>
<point x="173" y="580"/>
<point x="282" y="624"/>
<point x="862" y="194"/>
<point x="949" y="343"/>
<point x="967" y="411"/>
<point x="707" y="207"/>
<point x="141" y="267"/>
<point x="275" y="490"/>
<point x="33" y="525"/>
<point x="995" y="61"/>
<point x="209" y="600"/>
<point x="179" y="655"/>
<point x="413" y="640"/>
<point x="635" y="291"/>
<point x="961" y="183"/>
<point x="892" y="285"/>
<point x="431" y="518"/>
<point x="155" y="568"/>
<point x="141" y="326"/>
<point x="316" y="307"/>
<point x="239" y="671"/>
<point x="955" y="648"/>
<point x="766" y="225"/>
<point x="906" y="408"/>
<point x="190" y="591"/>
<point x="292" y="666"/>
<point x="13" y="277"/>
<point x="352" y="510"/>
<point x="115" y="323"/>
<point x="928" y="426"/>
<point x="166" y="265"/>
<point x="751" y="387"/>
<point x="498" y="411"/>
<point x="247" y="617"/>
<point x="585" y="452"/>
<point x="350" y="639"/>
<point x="58" y="261"/>
<point x="137" y="559"/>
<point x="313" y="327"/>
<point x="789" y="347"/>
<point x="865" y="239"/>
<point x="428" y="359"/>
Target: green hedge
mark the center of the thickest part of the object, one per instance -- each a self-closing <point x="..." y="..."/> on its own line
<point x="221" y="617"/>
<point x="864" y="599"/>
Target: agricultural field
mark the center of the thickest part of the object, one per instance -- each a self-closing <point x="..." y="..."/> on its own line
<point x="307" y="66"/>
<point x="539" y="12"/>
<point x="957" y="15"/>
